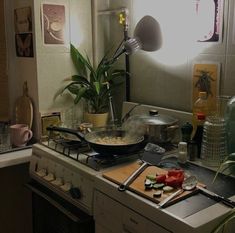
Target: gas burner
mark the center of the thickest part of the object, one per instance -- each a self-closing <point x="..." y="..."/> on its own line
<point x="69" y="146"/>
<point x="82" y="153"/>
<point x="99" y="161"/>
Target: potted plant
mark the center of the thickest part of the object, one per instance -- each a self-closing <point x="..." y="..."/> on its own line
<point x="228" y="164"/>
<point x="93" y="84"/>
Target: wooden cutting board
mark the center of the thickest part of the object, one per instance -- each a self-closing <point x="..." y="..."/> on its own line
<point x="119" y="175"/>
<point x="24" y="108"/>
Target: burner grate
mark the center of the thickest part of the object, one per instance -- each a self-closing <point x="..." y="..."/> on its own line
<point x="81" y="152"/>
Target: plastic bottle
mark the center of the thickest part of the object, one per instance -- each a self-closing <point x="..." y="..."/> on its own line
<point x="199" y="132"/>
<point x="230" y="125"/>
<point x="200" y="106"/>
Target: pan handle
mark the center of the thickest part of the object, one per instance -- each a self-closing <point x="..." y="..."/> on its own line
<point x="122" y="187"/>
<point x="66" y="130"/>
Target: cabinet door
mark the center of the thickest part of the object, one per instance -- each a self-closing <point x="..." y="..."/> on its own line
<point x="136" y="223"/>
<point x="108" y="213"/>
<point x="133" y="222"/>
<point x="154" y="228"/>
<point x="102" y="229"/>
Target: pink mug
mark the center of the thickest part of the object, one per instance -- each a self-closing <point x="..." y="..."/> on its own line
<point x="20" y="134"/>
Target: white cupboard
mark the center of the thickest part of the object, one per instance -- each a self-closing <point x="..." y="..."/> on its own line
<point x="112" y="217"/>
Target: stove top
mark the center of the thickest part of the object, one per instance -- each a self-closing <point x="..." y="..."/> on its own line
<point x="70" y="145"/>
<point x="82" y="153"/>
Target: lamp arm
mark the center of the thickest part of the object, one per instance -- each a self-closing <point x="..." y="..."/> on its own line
<point x="114" y="119"/>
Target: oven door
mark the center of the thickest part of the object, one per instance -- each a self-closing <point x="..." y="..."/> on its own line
<point x="53" y="214"/>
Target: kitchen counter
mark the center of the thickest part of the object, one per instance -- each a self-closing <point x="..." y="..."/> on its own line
<point x="15" y="156"/>
<point x="180" y="217"/>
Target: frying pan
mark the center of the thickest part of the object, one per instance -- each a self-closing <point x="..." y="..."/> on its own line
<point x="136" y="144"/>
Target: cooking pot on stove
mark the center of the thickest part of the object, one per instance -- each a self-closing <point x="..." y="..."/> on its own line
<point x="158" y="127"/>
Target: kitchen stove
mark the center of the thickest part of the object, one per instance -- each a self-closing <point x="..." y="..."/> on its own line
<point x="67" y="169"/>
<point x="81" y="152"/>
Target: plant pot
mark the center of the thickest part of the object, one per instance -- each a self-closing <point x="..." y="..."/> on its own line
<point x="96" y="119"/>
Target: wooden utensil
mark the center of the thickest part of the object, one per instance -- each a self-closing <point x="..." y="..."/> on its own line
<point x="24" y="108"/>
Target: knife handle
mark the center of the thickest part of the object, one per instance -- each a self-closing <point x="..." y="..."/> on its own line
<point x="226" y="201"/>
<point x="217" y="197"/>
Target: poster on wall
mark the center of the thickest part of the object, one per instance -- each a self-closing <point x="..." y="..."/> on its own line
<point x="206" y="77"/>
<point x="54" y="25"/>
<point x="23" y="20"/>
<point x="24" y="44"/>
<point x="23" y="32"/>
<point x="209" y="20"/>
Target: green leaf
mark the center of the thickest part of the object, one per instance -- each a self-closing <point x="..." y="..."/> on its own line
<point x="117" y="74"/>
<point x="224" y="222"/>
<point x="80" y="94"/>
<point x="97" y="87"/>
<point x="227" y="164"/>
<point x="80" y="80"/>
<point x="78" y="61"/>
<point x="74" y="89"/>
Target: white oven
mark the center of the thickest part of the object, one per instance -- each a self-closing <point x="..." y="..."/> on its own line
<point x="62" y="193"/>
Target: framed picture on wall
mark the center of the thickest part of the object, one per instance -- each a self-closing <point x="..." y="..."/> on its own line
<point x="23" y="20"/>
<point x="24" y="44"/>
<point x="54" y="24"/>
<point x="206" y="78"/>
<point x="209" y="20"/>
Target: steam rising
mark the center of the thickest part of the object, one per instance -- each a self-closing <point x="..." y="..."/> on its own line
<point x="134" y="127"/>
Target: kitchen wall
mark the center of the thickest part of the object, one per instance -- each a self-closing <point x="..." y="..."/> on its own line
<point x="162" y="78"/>
<point x="54" y="63"/>
<point x="20" y="69"/>
<point x="50" y="65"/>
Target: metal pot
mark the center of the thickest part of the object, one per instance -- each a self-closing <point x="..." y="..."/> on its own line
<point x="158" y="127"/>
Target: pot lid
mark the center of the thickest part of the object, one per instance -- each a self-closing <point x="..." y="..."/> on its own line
<point x="154" y="118"/>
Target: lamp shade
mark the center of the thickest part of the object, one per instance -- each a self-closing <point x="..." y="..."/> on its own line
<point x="148" y="33"/>
<point x="147" y="36"/>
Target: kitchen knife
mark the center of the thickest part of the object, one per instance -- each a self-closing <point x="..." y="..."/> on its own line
<point x="217" y="197"/>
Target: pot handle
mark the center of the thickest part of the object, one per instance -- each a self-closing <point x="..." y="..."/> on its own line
<point x="66" y="130"/>
<point x="172" y="127"/>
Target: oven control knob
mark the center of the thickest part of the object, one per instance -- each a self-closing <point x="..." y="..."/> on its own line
<point x="57" y="182"/>
<point x="41" y="172"/>
<point x="49" y="177"/>
<point x="75" y="193"/>
<point x="66" y="187"/>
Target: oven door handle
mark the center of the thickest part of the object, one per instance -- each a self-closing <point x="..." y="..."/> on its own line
<point x="54" y="203"/>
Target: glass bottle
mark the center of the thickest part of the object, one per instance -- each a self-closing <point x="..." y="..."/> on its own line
<point x="199" y="132"/>
<point x="200" y="107"/>
<point x="230" y="125"/>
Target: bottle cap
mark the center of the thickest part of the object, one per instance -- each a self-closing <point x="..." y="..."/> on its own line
<point x="201" y="116"/>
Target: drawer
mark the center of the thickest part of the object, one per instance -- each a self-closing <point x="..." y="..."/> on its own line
<point x="151" y="227"/>
<point x="133" y="222"/>
<point x="108" y="212"/>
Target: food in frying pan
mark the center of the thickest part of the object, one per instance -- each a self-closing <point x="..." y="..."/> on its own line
<point x="108" y="140"/>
